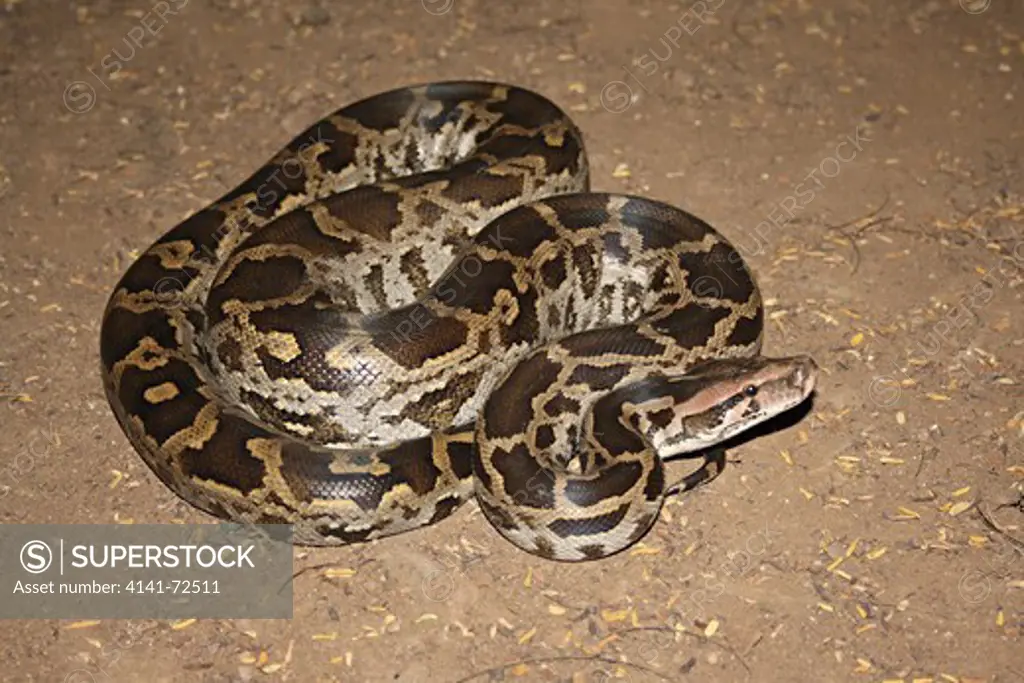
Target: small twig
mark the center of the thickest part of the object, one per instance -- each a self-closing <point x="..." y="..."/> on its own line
<point x="565" y="658"/>
<point x="990" y="523"/>
<point x="925" y="457"/>
<point x="862" y="223"/>
<point x="874" y="213"/>
<point x="856" y="250"/>
<point x="313" y="567"/>
<point x="754" y="643"/>
<point x="1019" y="503"/>
<point x="735" y="27"/>
<point x="1000" y="244"/>
<point x="309" y="568"/>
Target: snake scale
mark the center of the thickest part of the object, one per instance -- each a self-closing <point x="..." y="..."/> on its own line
<point x="419" y="301"/>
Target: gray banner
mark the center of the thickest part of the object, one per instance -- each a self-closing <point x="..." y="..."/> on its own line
<point x="153" y="571"/>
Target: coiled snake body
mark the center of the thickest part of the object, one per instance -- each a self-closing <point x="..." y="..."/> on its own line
<point x="418" y="300"/>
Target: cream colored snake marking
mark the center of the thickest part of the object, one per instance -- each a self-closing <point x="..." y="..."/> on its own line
<point x="418" y="301"/>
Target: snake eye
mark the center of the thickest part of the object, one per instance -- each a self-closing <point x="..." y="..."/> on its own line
<point x="750" y="391"/>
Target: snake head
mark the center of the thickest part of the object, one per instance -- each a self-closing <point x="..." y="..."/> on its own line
<point x="717" y="400"/>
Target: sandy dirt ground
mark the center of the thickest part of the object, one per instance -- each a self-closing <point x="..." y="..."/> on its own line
<point x="864" y="155"/>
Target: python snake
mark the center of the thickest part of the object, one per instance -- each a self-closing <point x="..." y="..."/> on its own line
<point x="418" y="301"/>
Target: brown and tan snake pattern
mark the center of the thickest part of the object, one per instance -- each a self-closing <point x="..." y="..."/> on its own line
<point x="417" y="301"/>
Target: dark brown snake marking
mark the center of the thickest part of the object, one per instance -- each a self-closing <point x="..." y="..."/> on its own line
<point x="418" y="300"/>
